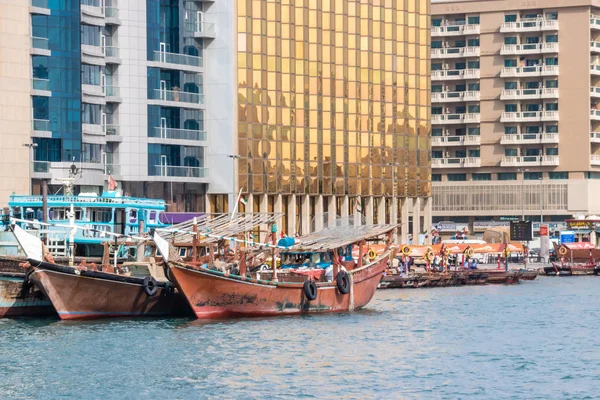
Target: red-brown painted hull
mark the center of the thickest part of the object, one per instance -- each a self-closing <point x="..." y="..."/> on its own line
<point x="19" y="300"/>
<point x="81" y="297"/>
<point x="502" y="277"/>
<point x="211" y="294"/>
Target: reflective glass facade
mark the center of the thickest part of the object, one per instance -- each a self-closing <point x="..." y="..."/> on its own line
<point x="63" y="69"/>
<point x="331" y="93"/>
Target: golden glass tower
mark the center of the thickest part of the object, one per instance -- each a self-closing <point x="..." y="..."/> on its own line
<point x="333" y="95"/>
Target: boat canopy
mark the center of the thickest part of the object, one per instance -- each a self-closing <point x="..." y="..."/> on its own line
<point x="339" y="236"/>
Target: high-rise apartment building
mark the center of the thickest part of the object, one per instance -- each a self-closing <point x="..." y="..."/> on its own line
<point x="314" y="108"/>
<point x="515" y="87"/>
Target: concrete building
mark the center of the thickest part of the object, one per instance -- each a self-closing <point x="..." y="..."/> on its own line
<point x="515" y="87"/>
<point x="314" y="108"/>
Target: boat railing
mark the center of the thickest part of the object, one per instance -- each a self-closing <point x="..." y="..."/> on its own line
<point x="25" y="199"/>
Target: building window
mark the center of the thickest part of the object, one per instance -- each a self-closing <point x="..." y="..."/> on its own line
<point x="510" y="85"/>
<point x="533" y="85"/>
<point x="436" y="177"/>
<point x="552" y="107"/>
<point x="436" y="22"/>
<point x="558" y="175"/>
<point x="460" y="43"/>
<point x="552" y="61"/>
<point x="90" y="35"/>
<point x="473" y="20"/>
<point x="533" y="107"/>
<point x="551" y="128"/>
<point x="507" y="176"/>
<point x="481" y="177"/>
<point x="533" y="39"/>
<point x="92" y="153"/>
<point x="510" y="63"/>
<point x="90" y="74"/>
<point x="436" y="44"/>
<point x="532" y="176"/>
<point x="553" y="83"/>
<point x="551" y="151"/>
<point x="510" y="108"/>
<point x="475" y="131"/>
<point x="437" y="154"/>
<point x="510" y="18"/>
<point x="473" y="42"/>
<point x="436" y="132"/>
<point x="40" y="107"/>
<point x="551" y="38"/>
<point x="533" y="152"/>
<point x="474" y="87"/>
<point x="533" y="129"/>
<point x="460" y="109"/>
<point x="592" y="175"/>
<point x="436" y="67"/>
<point x="91" y="114"/>
<point x="474" y="108"/>
<point x="457" y="177"/>
<point x="510" y="40"/>
<point x="473" y="64"/>
<point x="437" y="110"/>
<point x="40" y="67"/>
<point x="510" y="152"/>
<point x="474" y="153"/>
<point x="510" y="130"/>
<point x="552" y="15"/>
<point x="436" y="88"/>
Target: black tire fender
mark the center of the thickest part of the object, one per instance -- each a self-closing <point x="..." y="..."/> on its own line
<point x="150" y="286"/>
<point x="342" y="281"/>
<point x="310" y="290"/>
<point x="169" y="289"/>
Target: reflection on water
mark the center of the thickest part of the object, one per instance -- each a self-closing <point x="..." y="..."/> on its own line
<point x="531" y="340"/>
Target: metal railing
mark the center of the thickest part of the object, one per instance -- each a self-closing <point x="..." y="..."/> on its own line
<point x="455" y="74"/>
<point x="111" y="129"/>
<point x="111" y="12"/>
<point x="207" y="28"/>
<point x="178" y="96"/>
<point x="529" y="138"/>
<point x="41" y="125"/>
<point x="456" y="162"/>
<point x="176" y="58"/>
<point x="529" y="160"/>
<point x="40" y="84"/>
<point x="535" y="70"/>
<point x="39" y="3"/>
<point x="179" y="171"/>
<point x="39" y="43"/>
<point x="455" y="52"/>
<point x="467" y="140"/>
<point x="530" y="25"/>
<point x="529" y="93"/>
<point x="458" y="118"/>
<point x="529" y="48"/>
<point x="455" y="96"/>
<point x="449" y="30"/>
<point x="178" y="134"/>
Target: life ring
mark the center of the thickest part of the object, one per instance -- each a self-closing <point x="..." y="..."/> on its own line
<point x="562" y="251"/>
<point x="310" y="290"/>
<point x="468" y="252"/>
<point x="265" y="267"/>
<point x="405" y="250"/>
<point x="342" y="282"/>
<point x="372" y="255"/>
<point x="429" y="256"/>
<point x="150" y="286"/>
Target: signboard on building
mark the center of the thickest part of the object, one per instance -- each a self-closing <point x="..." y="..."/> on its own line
<point x="579" y="225"/>
<point x="446" y="227"/>
<point x="521" y="230"/>
<point x="482" y="226"/>
<point x="544" y="230"/>
<point x="567" y="237"/>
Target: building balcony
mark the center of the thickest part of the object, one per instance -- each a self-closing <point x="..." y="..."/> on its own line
<point x="178" y="134"/>
<point x="42" y="125"/>
<point x="595" y="69"/>
<point x="40" y="5"/>
<point x="112" y="170"/>
<point x="177" y="98"/>
<point x="455" y="52"/>
<point x="463" y="162"/>
<point x="595" y="114"/>
<point x="526" y="161"/>
<point x="446" y="97"/>
<point x="595" y="47"/>
<point x="530" y="25"/>
<point x="444" y="141"/>
<point x="92" y="54"/>
<point x="532" y="48"/>
<point x="595" y="137"/>
<point x="454" y="74"/>
<point x="92" y="15"/>
<point x="113" y="133"/>
<point x="112" y="55"/>
<point x="594" y="22"/>
<point x="201" y="30"/>
<point x="40" y="46"/>
<point x="534" y="71"/>
<point x="526" y="94"/>
<point x="177" y="61"/>
<point x="467" y="118"/>
<point x="530" y="138"/>
<point x="179" y="171"/>
<point x="112" y="16"/>
<point x="595" y="92"/>
<point x="595" y="159"/>
<point x="455" y="30"/>
<point x="41" y="85"/>
<point x="529" y="116"/>
<point x="112" y="94"/>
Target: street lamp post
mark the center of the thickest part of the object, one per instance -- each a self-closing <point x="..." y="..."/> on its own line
<point x="541" y="202"/>
<point x="522" y="171"/>
<point x="31" y="147"/>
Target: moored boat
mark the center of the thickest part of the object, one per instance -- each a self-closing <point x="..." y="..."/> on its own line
<point x="291" y="290"/>
<point x="529" y="275"/>
<point x="19" y="298"/>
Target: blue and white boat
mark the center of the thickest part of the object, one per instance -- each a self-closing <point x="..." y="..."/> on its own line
<point x="97" y="217"/>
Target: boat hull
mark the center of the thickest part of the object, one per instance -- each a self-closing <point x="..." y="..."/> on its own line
<point x="503" y="277"/>
<point x="19" y="300"/>
<point x="212" y="294"/>
<point x="93" y="295"/>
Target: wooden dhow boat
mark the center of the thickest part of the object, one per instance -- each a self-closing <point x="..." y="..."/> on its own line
<point x="318" y="274"/>
<point x="88" y="291"/>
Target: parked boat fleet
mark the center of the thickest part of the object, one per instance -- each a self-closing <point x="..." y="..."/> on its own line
<point x="118" y="258"/>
